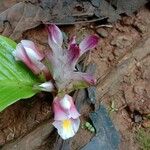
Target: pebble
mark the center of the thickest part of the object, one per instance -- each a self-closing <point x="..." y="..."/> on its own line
<point x="137" y="118"/>
<point x="102" y="32"/>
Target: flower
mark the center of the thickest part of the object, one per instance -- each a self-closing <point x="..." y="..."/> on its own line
<point x="60" y="74"/>
<point x="63" y="61"/>
<point x="27" y="52"/>
<point x="66" y="116"/>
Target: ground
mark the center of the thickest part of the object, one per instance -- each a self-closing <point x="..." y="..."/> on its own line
<point x="123" y="83"/>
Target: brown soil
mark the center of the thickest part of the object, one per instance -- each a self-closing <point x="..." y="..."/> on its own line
<point x="123" y="60"/>
<point x="24" y="116"/>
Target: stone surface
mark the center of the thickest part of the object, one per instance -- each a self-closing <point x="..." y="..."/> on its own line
<point x="102" y="32"/>
<point x="33" y="140"/>
<point x="106" y="138"/>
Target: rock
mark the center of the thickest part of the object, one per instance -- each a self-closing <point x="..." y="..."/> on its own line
<point x="107" y="137"/>
<point x="137" y="118"/>
<point x="121" y="41"/>
<point x="32" y="140"/>
<point x="91" y="94"/>
<point x="91" y="91"/>
<point x="102" y="32"/>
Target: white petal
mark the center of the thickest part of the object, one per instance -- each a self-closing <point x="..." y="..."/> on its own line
<point x="19" y="52"/>
<point x="65" y="103"/>
<point x="47" y="86"/>
<point x="76" y="124"/>
<point x="31" y="50"/>
<point x="32" y="54"/>
<point x="65" y="128"/>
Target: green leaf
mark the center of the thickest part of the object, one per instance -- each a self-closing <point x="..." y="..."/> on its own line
<point x="16" y="80"/>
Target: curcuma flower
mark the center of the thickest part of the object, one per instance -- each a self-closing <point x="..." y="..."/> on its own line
<point x="66" y="117"/>
<point x="62" y="61"/>
<point x="60" y="74"/>
<point x="27" y="52"/>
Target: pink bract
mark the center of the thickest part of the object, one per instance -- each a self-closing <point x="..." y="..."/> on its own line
<point x="27" y="52"/>
<point x="60" y="113"/>
<point x="63" y="61"/>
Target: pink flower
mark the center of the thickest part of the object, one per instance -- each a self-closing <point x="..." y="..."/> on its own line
<point x="27" y="52"/>
<point x="66" y="117"/>
<point x="63" y="61"/>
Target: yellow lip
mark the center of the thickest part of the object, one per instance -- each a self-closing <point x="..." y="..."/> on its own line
<point x="67" y="124"/>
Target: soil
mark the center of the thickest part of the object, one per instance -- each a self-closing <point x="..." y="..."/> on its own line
<point x="123" y="76"/>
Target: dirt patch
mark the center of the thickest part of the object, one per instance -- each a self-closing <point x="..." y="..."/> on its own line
<point x="126" y="82"/>
<point x="24" y="116"/>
